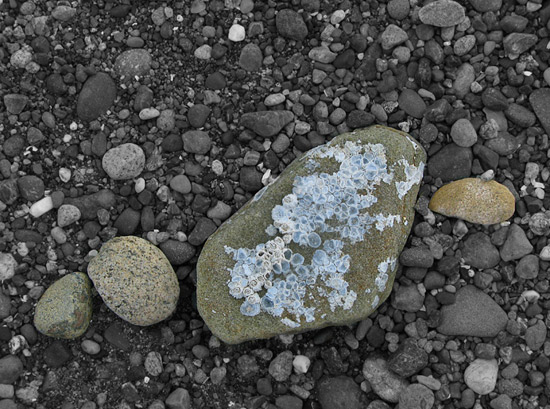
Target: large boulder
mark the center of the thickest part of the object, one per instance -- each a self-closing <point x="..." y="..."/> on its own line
<point x="326" y="239"/>
<point x="135" y="280"/>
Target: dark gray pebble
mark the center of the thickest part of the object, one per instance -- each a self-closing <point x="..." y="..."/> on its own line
<point x="177" y="252"/>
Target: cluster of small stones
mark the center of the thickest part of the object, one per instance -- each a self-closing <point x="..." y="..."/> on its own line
<point x="319" y="203"/>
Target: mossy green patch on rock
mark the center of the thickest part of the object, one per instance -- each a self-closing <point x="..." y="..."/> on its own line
<point x="135" y="280"/>
<point x="318" y="246"/>
<point x="65" y="308"/>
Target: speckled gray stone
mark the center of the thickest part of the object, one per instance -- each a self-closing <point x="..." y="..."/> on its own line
<point x="135" y="280"/>
<point x="221" y="311"/>
<point x="124" y="162"/>
<point x="65" y="309"/>
<point x="131" y="63"/>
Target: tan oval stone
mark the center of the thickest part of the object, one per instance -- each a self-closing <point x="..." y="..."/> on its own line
<point x="475" y="201"/>
<point x="135" y="280"/>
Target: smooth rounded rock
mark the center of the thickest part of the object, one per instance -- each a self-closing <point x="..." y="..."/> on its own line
<point x="251" y="58"/>
<point x="135" y="280"/>
<point x="67" y="214"/>
<point x="8" y="264"/>
<point x="237" y="33"/>
<point x="474" y="200"/>
<point x="339" y="393"/>
<point x="442" y="13"/>
<point x="473" y="314"/>
<point x="11" y="368"/>
<point x="133" y="63"/>
<point x="198" y="142"/>
<point x="181" y="184"/>
<point x="452" y="162"/>
<point x="124" y="162"/>
<point x="65" y="308"/>
<point x="463" y="133"/>
<point x="291" y="25"/>
<point x="416" y="396"/>
<point x="481" y="376"/>
<point x="96" y="97"/>
<point x="479" y="252"/>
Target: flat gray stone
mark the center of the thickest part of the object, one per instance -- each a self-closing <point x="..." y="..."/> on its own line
<point x="516" y="245"/>
<point x="473" y="314"/>
<point x="540" y="102"/>
<point x="266" y="123"/>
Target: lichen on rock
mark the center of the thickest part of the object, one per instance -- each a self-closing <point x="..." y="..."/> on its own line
<point x="332" y="226"/>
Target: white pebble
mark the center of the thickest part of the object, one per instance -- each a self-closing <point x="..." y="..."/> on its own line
<point x="153" y="363"/>
<point x="41" y="207"/>
<point x="148" y="113"/>
<point x="545" y="253"/>
<point x="7" y="266"/>
<point x="237" y="33"/>
<point x="90" y="347"/>
<point x="64" y="175"/>
<point x="337" y="16"/>
<point x="204" y="52"/>
<point x="140" y="185"/>
<point x="217" y="167"/>
<point x="301" y="364"/>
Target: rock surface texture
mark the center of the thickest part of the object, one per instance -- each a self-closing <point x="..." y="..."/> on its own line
<point x="135" y="280"/>
<point x="329" y="232"/>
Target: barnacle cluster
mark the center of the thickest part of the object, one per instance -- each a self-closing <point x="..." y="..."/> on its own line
<point x="319" y="203"/>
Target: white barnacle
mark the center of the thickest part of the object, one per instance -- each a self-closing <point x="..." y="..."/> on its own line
<point x="253" y="299"/>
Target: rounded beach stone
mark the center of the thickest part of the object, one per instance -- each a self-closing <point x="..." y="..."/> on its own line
<point x="475" y="201"/>
<point x="416" y="396"/>
<point x="135" y="280"/>
<point x="65" y="308"/>
<point x="123" y="162"/>
<point x="364" y="260"/>
<point x="473" y="314"/>
<point x="8" y="265"/>
<point x="290" y="24"/>
<point x="481" y="376"/>
<point x="96" y="97"/>
<point x="442" y="13"/>
<point x="463" y="133"/>
<point x="135" y="62"/>
<point x="251" y="57"/>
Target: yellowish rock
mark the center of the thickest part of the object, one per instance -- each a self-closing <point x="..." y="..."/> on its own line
<point x="65" y="309"/>
<point x="135" y="280"/>
<point x="474" y="200"/>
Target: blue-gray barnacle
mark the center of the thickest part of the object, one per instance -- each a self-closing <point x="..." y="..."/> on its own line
<point x="297" y="259"/>
<point x="250" y="310"/>
<point x="314" y="240"/>
<point x="288" y="254"/>
<point x="285" y="266"/>
<point x="277" y="268"/>
<point x="320" y="257"/>
<point x="267" y="303"/>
